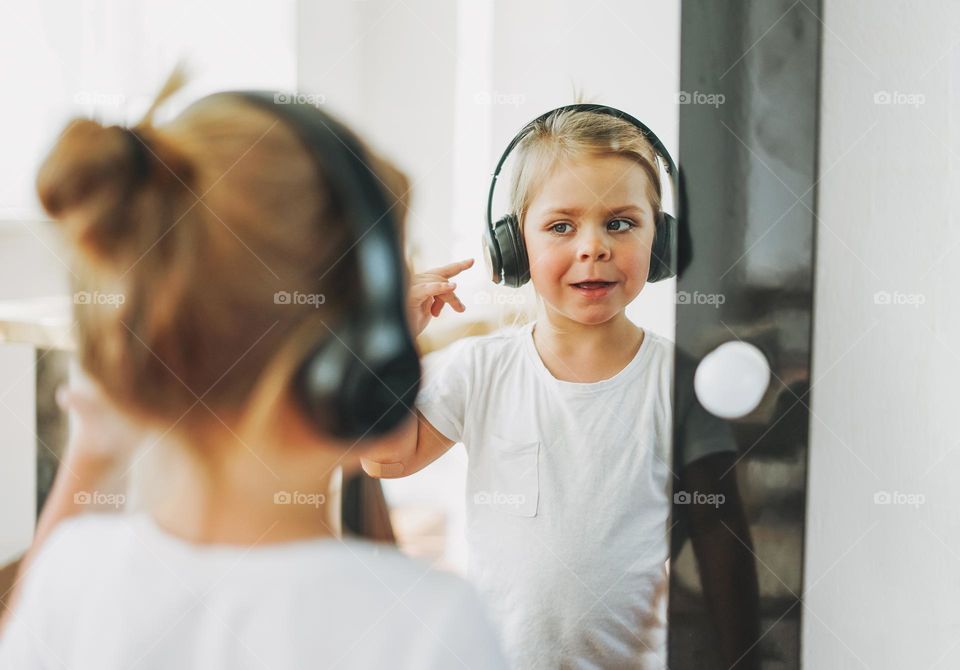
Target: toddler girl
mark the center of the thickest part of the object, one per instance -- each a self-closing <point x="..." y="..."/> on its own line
<point x="185" y="235"/>
<point x="567" y="421"/>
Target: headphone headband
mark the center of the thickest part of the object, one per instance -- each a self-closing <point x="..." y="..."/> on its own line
<point x="504" y="239"/>
<point x="651" y="136"/>
<point x="363" y="375"/>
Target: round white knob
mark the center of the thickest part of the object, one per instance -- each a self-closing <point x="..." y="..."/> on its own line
<point x="731" y="380"/>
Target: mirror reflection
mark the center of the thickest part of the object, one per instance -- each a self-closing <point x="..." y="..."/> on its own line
<point x="239" y="298"/>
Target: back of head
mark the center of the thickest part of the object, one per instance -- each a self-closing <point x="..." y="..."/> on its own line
<point x="209" y="251"/>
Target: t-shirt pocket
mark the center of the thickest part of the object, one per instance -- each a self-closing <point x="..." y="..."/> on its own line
<point x="516" y="476"/>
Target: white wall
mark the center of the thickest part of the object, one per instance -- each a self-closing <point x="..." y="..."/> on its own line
<point x="883" y="580"/>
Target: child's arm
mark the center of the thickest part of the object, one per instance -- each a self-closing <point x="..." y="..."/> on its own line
<point x="420" y="444"/>
<point x="413" y="452"/>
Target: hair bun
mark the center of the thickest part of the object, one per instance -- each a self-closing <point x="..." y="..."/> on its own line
<point x="141" y="152"/>
<point x="87" y="160"/>
<point x="94" y="175"/>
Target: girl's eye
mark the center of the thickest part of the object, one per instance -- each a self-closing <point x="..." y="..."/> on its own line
<point x="560" y="228"/>
<point x="627" y="224"/>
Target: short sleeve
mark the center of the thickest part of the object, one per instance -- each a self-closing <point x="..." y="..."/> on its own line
<point x="445" y="395"/>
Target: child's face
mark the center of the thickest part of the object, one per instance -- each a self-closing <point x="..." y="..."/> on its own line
<point x="590" y="220"/>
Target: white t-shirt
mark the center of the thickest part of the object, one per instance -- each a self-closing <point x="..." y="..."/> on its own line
<point x="116" y="591"/>
<point x="568" y="496"/>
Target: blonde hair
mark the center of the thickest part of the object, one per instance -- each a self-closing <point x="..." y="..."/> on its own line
<point x="194" y="227"/>
<point x="568" y="134"/>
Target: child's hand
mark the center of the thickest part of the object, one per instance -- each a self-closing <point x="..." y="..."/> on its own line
<point x="430" y="290"/>
<point x="99" y="433"/>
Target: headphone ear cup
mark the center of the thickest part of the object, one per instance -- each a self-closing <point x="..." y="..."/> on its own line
<point x="662" y="262"/>
<point x="493" y="255"/>
<point x="513" y="252"/>
<point x="365" y="389"/>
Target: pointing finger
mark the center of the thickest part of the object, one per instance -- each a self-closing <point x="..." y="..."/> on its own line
<point x="452" y="269"/>
<point x="420" y="292"/>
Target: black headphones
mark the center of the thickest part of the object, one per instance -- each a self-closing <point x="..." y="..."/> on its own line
<point x="504" y="239"/>
<point x="363" y="376"/>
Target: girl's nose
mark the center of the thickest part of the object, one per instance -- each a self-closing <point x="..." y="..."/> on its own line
<point x="593" y="247"/>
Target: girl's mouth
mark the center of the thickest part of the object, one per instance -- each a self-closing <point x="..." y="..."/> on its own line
<point x="594" y="289"/>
